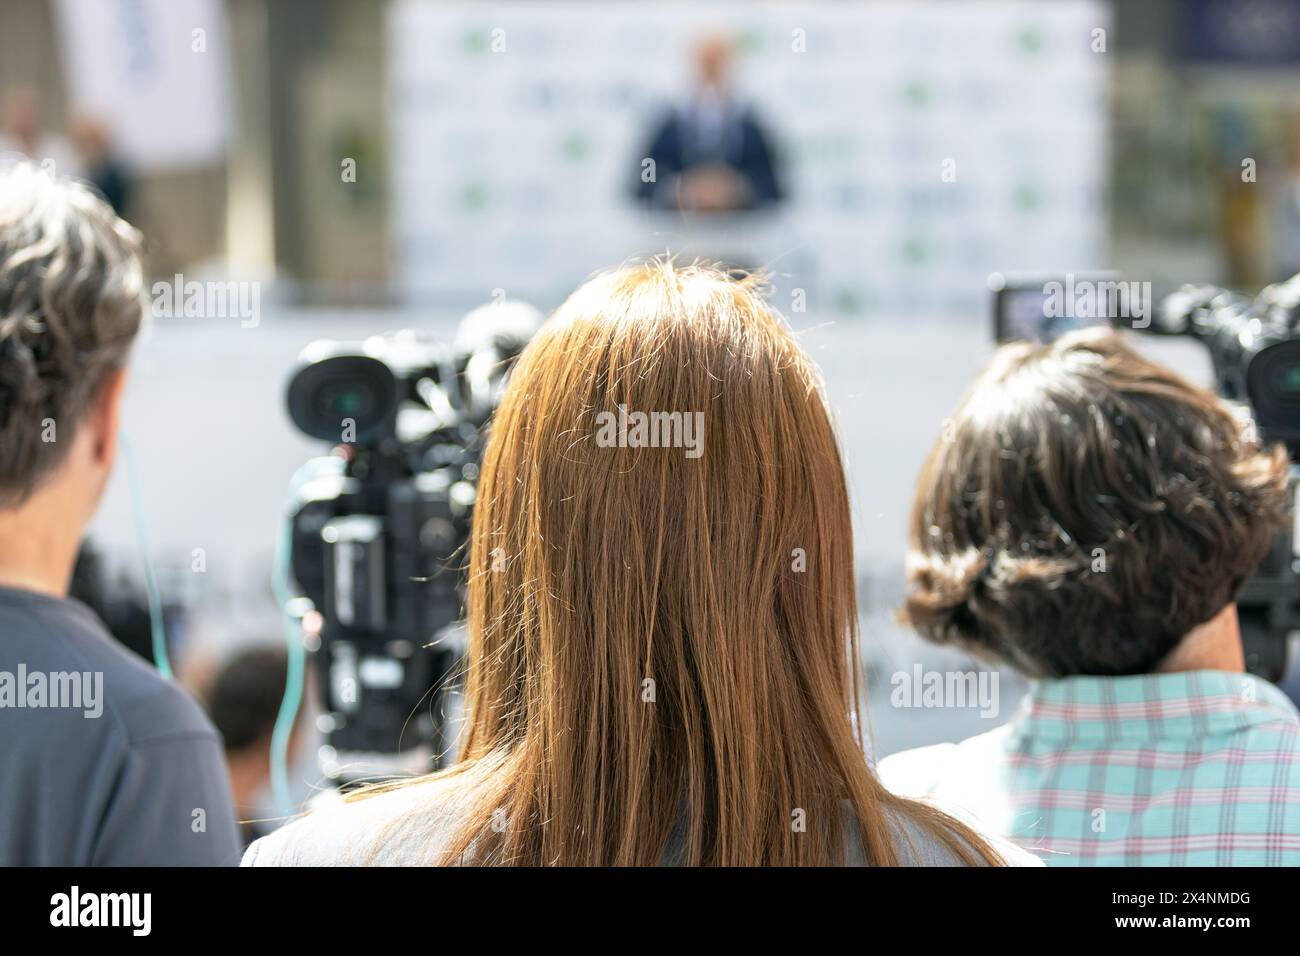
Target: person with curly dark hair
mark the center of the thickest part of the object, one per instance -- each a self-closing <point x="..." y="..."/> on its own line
<point x="1088" y="518"/>
<point x="102" y="761"/>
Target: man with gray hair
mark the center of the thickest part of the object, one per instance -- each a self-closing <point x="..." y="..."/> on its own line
<point x="102" y="761"/>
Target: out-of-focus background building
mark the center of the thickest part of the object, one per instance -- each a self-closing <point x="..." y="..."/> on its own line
<point x="353" y="166"/>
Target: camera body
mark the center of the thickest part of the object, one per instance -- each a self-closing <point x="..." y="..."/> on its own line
<point x="1254" y="347"/>
<point x="380" y="534"/>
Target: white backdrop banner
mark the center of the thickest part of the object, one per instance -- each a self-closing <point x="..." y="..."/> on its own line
<point x="923" y="145"/>
<point x="156" y="72"/>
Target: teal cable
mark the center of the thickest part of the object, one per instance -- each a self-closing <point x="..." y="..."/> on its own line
<point x="281" y="573"/>
<point x="293" y="685"/>
<point x="156" y="626"/>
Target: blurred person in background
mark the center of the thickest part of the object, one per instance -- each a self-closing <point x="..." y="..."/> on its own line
<point x="654" y="675"/>
<point x="118" y="603"/>
<point x="1241" y="204"/>
<point x="103" y="169"/>
<point x="1286" y="210"/>
<point x="24" y="135"/>
<point x="711" y="154"/>
<point x="102" y="761"/>
<point x="244" y="701"/>
<point x="1089" y="519"/>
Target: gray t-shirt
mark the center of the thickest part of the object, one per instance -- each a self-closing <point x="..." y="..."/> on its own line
<point x="102" y="761"/>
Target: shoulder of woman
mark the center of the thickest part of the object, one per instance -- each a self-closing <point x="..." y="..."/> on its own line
<point x="918" y="846"/>
<point x="404" y="826"/>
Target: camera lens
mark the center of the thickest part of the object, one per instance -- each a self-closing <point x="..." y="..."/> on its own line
<point x="1286" y="379"/>
<point x="347" y="398"/>
<point x="328" y="396"/>
<point x="1273" y="385"/>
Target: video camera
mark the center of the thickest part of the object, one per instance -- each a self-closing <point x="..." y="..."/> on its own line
<point x="380" y="528"/>
<point x="1254" y="347"/>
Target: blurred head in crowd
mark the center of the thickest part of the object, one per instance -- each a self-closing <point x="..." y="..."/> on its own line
<point x="244" y="701"/>
<point x="90" y="137"/>
<point x="22" y="116"/>
<point x="71" y="302"/>
<point x="116" y="600"/>
<point x="663" y="623"/>
<point x="1089" y="512"/>
<point x="713" y="61"/>
<point x="94" y="147"/>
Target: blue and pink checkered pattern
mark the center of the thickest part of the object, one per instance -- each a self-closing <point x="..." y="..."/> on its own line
<point x="1189" y="769"/>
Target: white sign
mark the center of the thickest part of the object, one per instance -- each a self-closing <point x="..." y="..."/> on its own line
<point x="155" y="72"/>
<point x="923" y="145"/>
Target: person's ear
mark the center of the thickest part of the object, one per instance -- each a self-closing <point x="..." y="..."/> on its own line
<point x="106" y="417"/>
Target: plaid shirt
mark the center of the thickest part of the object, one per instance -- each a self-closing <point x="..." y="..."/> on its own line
<point x="1189" y="769"/>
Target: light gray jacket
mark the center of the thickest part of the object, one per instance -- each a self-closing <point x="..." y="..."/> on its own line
<point x="408" y="826"/>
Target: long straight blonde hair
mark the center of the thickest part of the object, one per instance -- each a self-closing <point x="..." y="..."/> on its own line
<point x="663" y="660"/>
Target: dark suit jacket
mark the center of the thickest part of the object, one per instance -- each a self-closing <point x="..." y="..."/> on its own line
<point x="743" y="146"/>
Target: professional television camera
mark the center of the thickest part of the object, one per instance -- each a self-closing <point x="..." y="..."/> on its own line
<point x="380" y="528"/>
<point x="1254" y="346"/>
